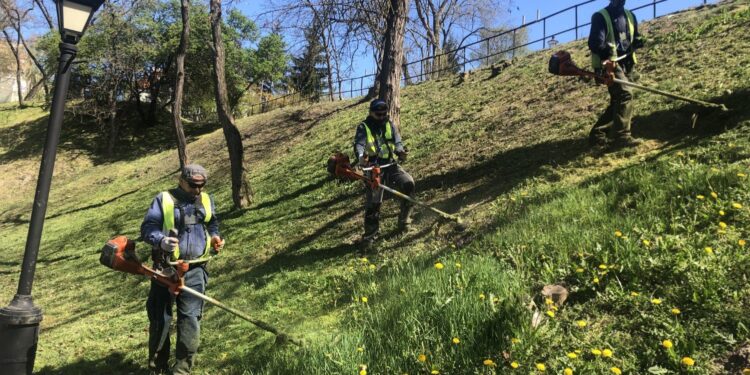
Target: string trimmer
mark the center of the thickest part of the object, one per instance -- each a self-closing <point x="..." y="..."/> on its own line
<point x="340" y="167"/>
<point x="119" y="255"/>
<point x="561" y="64"/>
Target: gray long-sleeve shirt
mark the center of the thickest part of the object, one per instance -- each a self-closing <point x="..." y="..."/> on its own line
<point x="598" y="35"/>
<point x="360" y="139"/>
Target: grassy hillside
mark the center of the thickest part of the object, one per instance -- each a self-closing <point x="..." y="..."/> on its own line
<point x="633" y="235"/>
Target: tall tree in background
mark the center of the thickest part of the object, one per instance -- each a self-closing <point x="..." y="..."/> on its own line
<point x="12" y="18"/>
<point x="308" y="76"/>
<point x="393" y="58"/>
<point x="241" y="192"/>
<point x="180" y="84"/>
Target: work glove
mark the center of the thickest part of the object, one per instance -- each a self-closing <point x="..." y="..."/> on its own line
<point x="364" y="160"/>
<point x="217" y="244"/>
<point x="168" y="244"/>
<point x="402" y="155"/>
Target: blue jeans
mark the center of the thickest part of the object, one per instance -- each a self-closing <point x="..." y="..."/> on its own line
<point x="189" y="311"/>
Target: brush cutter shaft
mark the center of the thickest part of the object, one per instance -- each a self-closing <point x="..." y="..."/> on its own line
<point x="258" y="323"/>
<point x="380" y="166"/>
<point x="412" y="200"/>
<point x="670" y="95"/>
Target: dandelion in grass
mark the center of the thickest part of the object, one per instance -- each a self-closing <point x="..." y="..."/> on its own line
<point x="607" y="353"/>
<point x="515" y="341"/>
<point x="675" y="311"/>
<point x="602" y="266"/>
<point x="742" y="243"/>
<point x="618" y="233"/>
<point x="422" y="358"/>
<point x="551" y="313"/>
<point x="439" y="266"/>
<point x="700" y="197"/>
<point x="489" y="363"/>
<point x="656" y="301"/>
<point x="514" y="364"/>
<point x="596" y="280"/>
<point x="736" y="205"/>
<point x="579" y="270"/>
<point x="634" y="294"/>
<point x="363" y="372"/>
<point x="741" y="175"/>
<point x="616" y="371"/>
<point x="714" y="195"/>
<point x="364" y="299"/>
<point x="435" y="372"/>
<point x="360" y="349"/>
<point x="364" y="260"/>
<point x="709" y="250"/>
<point x="572" y="355"/>
<point x="646" y="243"/>
<point x="687" y="361"/>
<point x="548" y="301"/>
<point x="541" y="367"/>
<point x="458" y="265"/>
<point x="372" y="267"/>
<point x="456" y="341"/>
<point x="482" y="296"/>
<point x="568" y="371"/>
<point x="722" y="225"/>
<point x="403" y="291"/>
<point x="596" y="352"/>
<point x="722" y="213"/>
<point x="667" y="344"/>
<point x="581" y="323"/>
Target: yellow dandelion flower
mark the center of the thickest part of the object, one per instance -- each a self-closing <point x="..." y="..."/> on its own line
<point x="656" y="301"/>
<point x="596" y="280"/>
<point x="675" y="311"/>
<point x="360" y="349"/>
<point x="596" y="352"/>
<point x="456" y="341"/>
<point x="363" y="260"/>
<point x="515" y="340"/>
<point x="715" y="170"/>
<point x="741" y="175"/>
<point x="403" y="290"/>
<point x="435" y="372"/>
<point x="618" y="233"/>
<point x="742" y="243"/>
<point x="700" y="197"/>
<point x="687" y="361"/>
<point x="646" y="243"/>
<point x="541" y="367"/>
<point x="680" y="153"/>
<point x="722" y="225"/>
<point x="736" y="205"/>
<point x="422" y="358"/>
<point x="581" y="323"/>
<point x="634" y="294"/>
<point x="602" y="266"/>
<point x="372" y="267"/>
<point x="667" y="344"/>
<point x="572" y="355"/>
<point x="722" y="213"/>
<point x="514" y="364"/>
<point x="548" y="301"/>
<point x="607" y="353"/>
<point x="714" y="195"/>
<point x="551" y="314"/>
<point x="489" y="362"/>
<point x="579" y="270"/>
<point x="482" y="296"/>
<point x="363" y="372"/>
<point x="458" y="265"/>
<point x="364" y="299"/>
<point x="568" y="371"/>
<point x="616" y="371"/>
<point x="709" y="250"/>
<point x="439" y="266"/>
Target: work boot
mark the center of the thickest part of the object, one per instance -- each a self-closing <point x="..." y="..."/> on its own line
<point x="626" y="142"/>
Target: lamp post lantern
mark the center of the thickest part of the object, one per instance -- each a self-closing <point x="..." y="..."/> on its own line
<point x="19" y="321"/>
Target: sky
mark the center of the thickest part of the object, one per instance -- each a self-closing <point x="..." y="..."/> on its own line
<point x="527" y="10"/>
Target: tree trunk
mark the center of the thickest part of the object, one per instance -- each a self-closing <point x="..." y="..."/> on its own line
<point x="407" y="75"/>
<point x="179" y="85"/>
<point x="329" y="70"/>
<point x="114" y="126"/>
<point x="241" y="192"/>
<point x="45" y="12"/>
<point x="41" y="70"/>
<point x="393" y="57"/>
<point x="17" y="56"/>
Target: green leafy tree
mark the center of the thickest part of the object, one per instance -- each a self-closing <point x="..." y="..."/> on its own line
<point x="309" y="72"/>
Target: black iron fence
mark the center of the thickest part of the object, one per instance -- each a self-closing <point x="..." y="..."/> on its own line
<point x="503" y="45"/>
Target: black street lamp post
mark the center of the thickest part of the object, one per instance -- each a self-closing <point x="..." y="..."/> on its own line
<point x="19" y="321"/>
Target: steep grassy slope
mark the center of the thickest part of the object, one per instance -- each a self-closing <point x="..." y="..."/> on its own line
<point x="622" y="231"/>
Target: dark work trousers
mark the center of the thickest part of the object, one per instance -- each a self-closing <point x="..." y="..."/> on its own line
<point x="396" y="178"/>
<point x="189" y="311"/>
<point x="614" y="123"/>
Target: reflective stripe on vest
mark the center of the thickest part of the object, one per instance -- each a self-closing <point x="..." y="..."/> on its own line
<point x="167" y="210"/>
<point x="372" y="147"/>
<point x="596" y="61"/>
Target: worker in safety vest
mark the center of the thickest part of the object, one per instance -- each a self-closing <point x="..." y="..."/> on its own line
<point x="378" y="142"/>
<point x="614" y="37"/>
<point x="191" y="214"/>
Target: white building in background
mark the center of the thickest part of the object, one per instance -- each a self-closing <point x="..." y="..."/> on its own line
<point x="8" y="85"/>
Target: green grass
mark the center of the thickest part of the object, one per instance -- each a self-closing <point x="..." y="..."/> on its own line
<point x="507" y="153"/>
